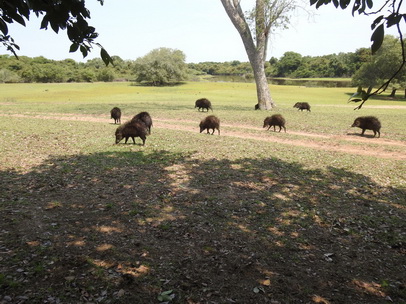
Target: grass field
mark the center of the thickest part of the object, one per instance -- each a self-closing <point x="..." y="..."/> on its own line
<point x="313" y="215"/>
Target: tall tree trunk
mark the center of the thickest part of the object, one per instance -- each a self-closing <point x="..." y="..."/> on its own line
<point x="393" y="93"/>
<point x="264" y="97"/>
<point x="256" y="52"/>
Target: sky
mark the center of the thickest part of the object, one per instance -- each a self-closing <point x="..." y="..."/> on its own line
<point x="201" y="29"/>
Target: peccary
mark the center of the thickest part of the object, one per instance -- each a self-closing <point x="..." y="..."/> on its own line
<point x="131" y="129"/>
<point x="145" y="118"/>
<point x="302" y="106"/>
<point x="275" y="120"/>
<point x="116" y="115"/>
<point x="203" y="103"/>
<point x="368" y="123"/>
<point x="210" y="122"/>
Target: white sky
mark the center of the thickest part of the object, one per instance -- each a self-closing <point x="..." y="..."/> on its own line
<point x="200" y="28"/>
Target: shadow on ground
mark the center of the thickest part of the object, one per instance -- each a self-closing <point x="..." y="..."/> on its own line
<point x="127" y="227"/>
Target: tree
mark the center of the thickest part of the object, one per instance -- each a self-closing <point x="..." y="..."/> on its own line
<point x="106" y="74"/>
<point x="8" y="76"/>
<point x="59" y="15"/>
<point x="392" y="17"/>
<point x="255" y="28"/>
<point x="381" y="67"/>
<point x="161" y="66"/>
<point x="289" y="62"/>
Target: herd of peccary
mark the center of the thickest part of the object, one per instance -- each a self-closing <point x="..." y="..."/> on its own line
<point x="362" y="122"/>
<point x="140" y="125"/>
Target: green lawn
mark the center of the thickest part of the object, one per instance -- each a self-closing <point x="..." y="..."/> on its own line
<point x="312" y="215"/>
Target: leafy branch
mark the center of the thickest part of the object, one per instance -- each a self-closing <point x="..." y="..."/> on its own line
<point x="393" y="18"/>
<point x="69" y="15"/>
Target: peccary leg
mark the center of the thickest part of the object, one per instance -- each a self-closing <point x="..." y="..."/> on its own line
<point x="363" y="131"/>
<point x="379" y="134"/>
<point x="133" y="139"/>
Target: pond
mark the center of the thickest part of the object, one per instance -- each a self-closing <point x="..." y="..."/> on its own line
<point x="339" y="83"/>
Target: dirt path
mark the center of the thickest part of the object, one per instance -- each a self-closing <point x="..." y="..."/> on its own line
<point x="310" y="140"/>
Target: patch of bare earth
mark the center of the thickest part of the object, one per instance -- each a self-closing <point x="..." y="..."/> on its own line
<point x="175" y="229"/>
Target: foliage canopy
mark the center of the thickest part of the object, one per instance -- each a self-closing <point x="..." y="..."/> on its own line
<point x="59" y="15"/>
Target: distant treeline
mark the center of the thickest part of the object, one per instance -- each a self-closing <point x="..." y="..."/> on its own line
<point x="294" y="65"/>
<point x="291" y="64"/>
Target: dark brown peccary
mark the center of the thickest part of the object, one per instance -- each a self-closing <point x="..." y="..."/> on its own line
<point x="145" y="118"/>
<point x="210" y="122"/>
<point x="302" y="106"/>
<point x="131" y="129"/>
<point x="116" y="115"/>
<point x="368" y="123"/>
<point x="275" y="120"/>
<point x="203" y="103"/>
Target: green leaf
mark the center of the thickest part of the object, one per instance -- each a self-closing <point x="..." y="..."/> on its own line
<point x="360" y="95"/>
<point x="376" y="22"/>
<point x="320" y="3"/>
<point x="18" y="18"/>
<point x="106" y="57"/>
<point x="393" y="19"/>
<point x="74" y="47"/>
<point x="377" y="38"/>
<point x="166" y="296"/>
<point x="44" y="23"/>
<point x="3" y="27"/>
<point x="356" y="7"/>
<point x="55" y="27"/>
<point x="84" y="51"/>
<point x="344" y="3"/>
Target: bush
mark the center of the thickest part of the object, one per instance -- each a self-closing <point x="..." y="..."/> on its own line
<point x="161" y="66"/>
